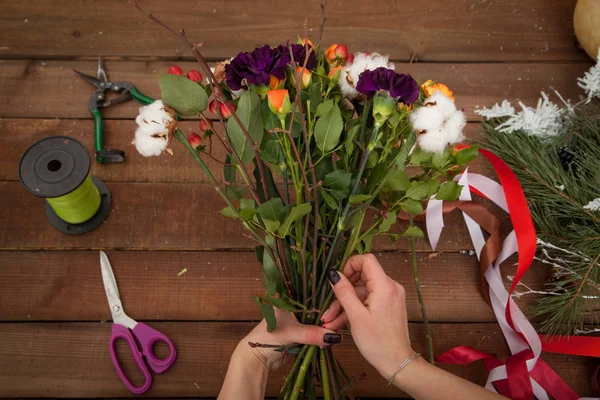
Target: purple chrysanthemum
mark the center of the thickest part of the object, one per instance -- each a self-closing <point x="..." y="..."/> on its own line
<point x="299" y="53"/>
<point x="401" y="87"/>
<point x="256" y="67"/>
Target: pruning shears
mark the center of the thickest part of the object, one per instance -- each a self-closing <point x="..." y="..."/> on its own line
<point x="98" y="100"/>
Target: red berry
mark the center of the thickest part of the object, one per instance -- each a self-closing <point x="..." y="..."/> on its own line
<point x="225" y="110"/>
<point x="212" y="106"/>
<point x="205" y="126"/>
<point x="194" y="140"/>
<point x="175" y="70"/>
<point x="194" y="75"/>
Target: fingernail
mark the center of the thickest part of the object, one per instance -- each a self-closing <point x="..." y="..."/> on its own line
<point x="323" y="316"/>
<point x="332" y="338"/>
<point x="333" y="276"/>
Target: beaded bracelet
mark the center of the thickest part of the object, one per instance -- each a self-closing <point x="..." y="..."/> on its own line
<point x="404" y="364"/>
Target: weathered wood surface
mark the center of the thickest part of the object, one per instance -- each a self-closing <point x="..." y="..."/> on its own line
<point x="72" y="359"/>
<point x="67" y="286"/>
<point x="433" y="30"/>
<point x="50" y="89"/>
<point x="157" y="216"/>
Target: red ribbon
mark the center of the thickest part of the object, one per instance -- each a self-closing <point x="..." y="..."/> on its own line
<point x="518" y="385"/>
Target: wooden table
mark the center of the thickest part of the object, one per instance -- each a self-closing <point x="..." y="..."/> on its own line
<point x="53" y="335"/>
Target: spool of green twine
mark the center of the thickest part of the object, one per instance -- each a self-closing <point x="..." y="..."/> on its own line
<point x="57" y="169"/>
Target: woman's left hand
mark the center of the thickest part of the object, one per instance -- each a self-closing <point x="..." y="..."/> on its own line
<point x="288" y="332"/>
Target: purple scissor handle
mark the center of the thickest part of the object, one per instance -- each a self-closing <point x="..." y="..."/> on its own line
<point x="127" y="329"/>
<point x="147" y="337"/>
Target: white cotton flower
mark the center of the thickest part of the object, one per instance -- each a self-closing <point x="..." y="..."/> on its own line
<point x="156" y="119"/>
<point x="497" y="111"/>
<point x="591" y="81"/>
<point x="149" y="146"/>
<point x="362" y="62"/>
<point x="444" y="104"/>
<point x="438" y="123"/>
<point x="544" y="120"/>
<point x="593" y="205"/>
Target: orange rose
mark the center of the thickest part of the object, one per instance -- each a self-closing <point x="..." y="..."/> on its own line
<point x="337" y="54"/>
<point x="430" y="87"/>
<point x="275" y="83"/>
<point x="279" y="101"/>
<point x="334" y="72"/>
<point x="306" y="40"/>
<point x="306" y="77"/>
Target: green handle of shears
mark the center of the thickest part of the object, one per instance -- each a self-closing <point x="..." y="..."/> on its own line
<point x="98" y="140"/>
<point x="140" y="97"/>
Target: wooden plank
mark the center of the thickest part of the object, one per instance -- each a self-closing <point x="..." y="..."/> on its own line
<point x="72" y="359"/>
<point x="67" y="286"/>
<point x="436" y="30"/>
<point x="18" y="134"/>
<point x="50" y="89"/>
<point x="155" y="216"/>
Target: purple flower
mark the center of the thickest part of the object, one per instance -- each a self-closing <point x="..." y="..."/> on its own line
<point x="400" y="86"/>
<point x="299" y="53"/>
<point x="256" y="67"/>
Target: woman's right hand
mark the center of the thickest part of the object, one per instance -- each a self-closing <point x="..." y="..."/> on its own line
<point x="375" y="306"/>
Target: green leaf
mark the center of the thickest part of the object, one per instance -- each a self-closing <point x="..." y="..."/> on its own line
<point x="338" y="180"/>
<point x="249" y="113"/>
<point x="323" y="168"/>
<point x="359" y="198"/>
<point x="439" y="161"/>
<point x="297" y="212"/>
<point x="315" y="96"/>
<point x="229" y="170"/>
<point x="329" y="200"/>
<point x="285" y="303"/>
<point x="376" y="176"/>
<point x="270" y="120"/>
<point x="271" y="187"/>
<point x="247" y="209"/>
<point x="328" y="129"/>
<point x="467" y="155"/>
<point x="373" y="159"/>
<point x="368" y="241"/>
<point x="434" y="185"/>
<point x="405" y="149"/>
<point x="387" y="222"/>
<point x="271" y="152"/>
<point x="268" y="313"/>
<point x="398" y="181"/>
<point x="229" y="212"/>
<point x="273" y="213"/>
<point x="418" y="190"/>
<point x="324" y="108"/>
<point x="412" y="206"/>
<point x="235" y="192"/>
<point x="413" y="231"/>
<point x="449" y="191"/>
<point x="271" y="278"/>
<point x="420" y="157"/>
<point x="186" y="97"/>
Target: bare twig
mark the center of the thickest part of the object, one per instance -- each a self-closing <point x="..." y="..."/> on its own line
<point x="323" y="19"/>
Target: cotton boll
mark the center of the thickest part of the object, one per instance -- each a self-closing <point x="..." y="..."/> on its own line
<point x="149" y="146"/>
<point x="433" y="141"/>
<point x="442" y="102"/>
<point x="362" y="61"/>
<point x="453" y="127"/>
<point x="426" y="119"/>
<point x="156" y="119"/>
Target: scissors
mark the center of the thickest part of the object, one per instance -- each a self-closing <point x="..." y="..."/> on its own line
<point x="98" y="100"/>
<point x="126" y="328"/>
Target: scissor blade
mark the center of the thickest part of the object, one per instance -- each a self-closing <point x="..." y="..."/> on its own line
<point x="88" y="78"/>
<point x="101" y="71"/>
<point x="108" y="277"/>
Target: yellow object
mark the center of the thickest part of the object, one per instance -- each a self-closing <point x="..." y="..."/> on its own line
<point x="430" y="87"/>
<point x="78" y="206"/>
<point x="586" y="23"/>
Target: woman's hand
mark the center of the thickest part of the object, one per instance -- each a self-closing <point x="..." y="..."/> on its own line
<point x="288" y="332"/>
<point x="375" y="306"/>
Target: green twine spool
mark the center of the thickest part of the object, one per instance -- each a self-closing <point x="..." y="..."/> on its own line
<point x="78" y="206"/>
<point x="57" y="169"/>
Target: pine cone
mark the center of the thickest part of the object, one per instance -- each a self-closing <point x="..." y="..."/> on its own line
<point x="566" y="157"/>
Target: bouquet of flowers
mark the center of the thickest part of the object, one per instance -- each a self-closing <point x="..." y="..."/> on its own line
<point x="325" y="150"/>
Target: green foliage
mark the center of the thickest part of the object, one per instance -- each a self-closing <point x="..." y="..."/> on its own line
<point x="268" y="313"/>
<point x="449" y="191"/>
<point x="328" y="127"/>
<point x="249" y="113"/>
<point x="186" y="97"/>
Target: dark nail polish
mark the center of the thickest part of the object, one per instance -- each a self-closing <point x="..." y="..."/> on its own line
<point x="333" y="275"/>
<point x="332" y="338"/>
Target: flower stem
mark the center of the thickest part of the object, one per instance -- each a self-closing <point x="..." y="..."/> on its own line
<point x="292" y="373"/>
<point x="324" y="375"/>
<point x="304" y="367"/>
<point x="420" y="295"/>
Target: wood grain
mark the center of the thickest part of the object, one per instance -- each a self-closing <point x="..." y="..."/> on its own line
<point x="50" y="89"/>
<point x="156" y="216"/>
<point x="433" y="30"/>
<point x="18" y="134"/>
<point x="67" y="286"/>
<point x="72" y="359"/>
